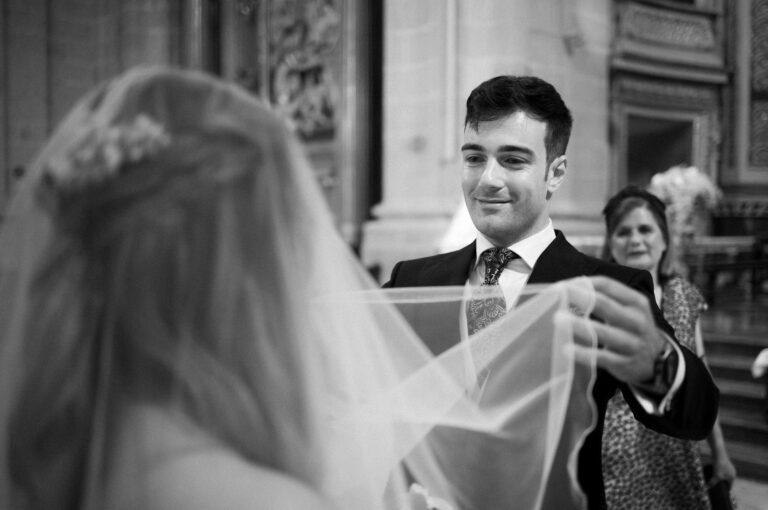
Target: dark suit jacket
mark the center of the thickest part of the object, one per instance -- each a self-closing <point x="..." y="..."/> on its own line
<point x="694" y="407"/>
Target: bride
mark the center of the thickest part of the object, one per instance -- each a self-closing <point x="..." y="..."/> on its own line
<point x="183" y="328"/>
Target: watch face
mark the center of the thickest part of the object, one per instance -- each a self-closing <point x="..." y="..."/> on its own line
<point x="669" y="367"/>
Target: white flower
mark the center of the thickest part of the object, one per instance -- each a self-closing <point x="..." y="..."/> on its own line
<point x="684" y="190"/>
<point x="99" y="152"/>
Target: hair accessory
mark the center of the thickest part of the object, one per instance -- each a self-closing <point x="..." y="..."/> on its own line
<point x="99" y="152"/>
<point x="637" y="192"/>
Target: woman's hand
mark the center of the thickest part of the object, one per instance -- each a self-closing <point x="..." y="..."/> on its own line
<point x="722" y="470"/>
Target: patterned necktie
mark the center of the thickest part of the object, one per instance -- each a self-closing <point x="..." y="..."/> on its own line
<point x="481" y="311"/>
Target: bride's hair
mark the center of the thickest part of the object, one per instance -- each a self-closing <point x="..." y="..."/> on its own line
<point x="174" y="280"/>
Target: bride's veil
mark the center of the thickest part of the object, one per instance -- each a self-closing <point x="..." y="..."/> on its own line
<point x="202" y="275"/>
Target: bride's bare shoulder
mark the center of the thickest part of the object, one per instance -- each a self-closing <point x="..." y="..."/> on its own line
<point x="182" y="468"/>
<point x="215" y="478"/>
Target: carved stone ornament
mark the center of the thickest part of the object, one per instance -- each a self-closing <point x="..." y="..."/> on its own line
<point x="758" y="146"/>
<point x="759" y="46"/>
<point x="304" y="85"/>
<point x="667" y="28"/>
<point x="742" y="208"/>
<point x="658" y="93"/>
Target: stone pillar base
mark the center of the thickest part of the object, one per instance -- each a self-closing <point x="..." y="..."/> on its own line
<point x="387" y="241"/>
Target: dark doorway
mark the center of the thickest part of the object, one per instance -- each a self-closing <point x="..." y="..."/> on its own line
<point x="655" y="144"/>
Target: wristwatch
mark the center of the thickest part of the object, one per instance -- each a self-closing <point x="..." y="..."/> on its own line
<point x="664" y="371"/>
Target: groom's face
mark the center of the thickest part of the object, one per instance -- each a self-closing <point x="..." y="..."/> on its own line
<point x="506" y="179"/>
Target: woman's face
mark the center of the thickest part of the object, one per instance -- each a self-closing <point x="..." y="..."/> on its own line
<point x="638" y="242"/>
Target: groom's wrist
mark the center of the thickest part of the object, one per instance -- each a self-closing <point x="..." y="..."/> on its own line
<point x="664" y="372"/>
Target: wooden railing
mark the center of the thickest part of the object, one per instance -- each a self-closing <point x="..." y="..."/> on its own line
<point x="711" y="259"/>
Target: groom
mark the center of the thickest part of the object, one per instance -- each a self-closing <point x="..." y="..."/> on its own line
<point x="515" y="135"/>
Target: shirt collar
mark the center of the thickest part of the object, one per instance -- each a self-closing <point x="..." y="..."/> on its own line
<point x="529" y="249"/>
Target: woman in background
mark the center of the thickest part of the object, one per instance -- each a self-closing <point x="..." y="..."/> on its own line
<point x="643" y="469"/>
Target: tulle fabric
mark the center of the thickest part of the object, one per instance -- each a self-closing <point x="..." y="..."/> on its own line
<point x="209" y="284"/>
<point x="491" y="421"/>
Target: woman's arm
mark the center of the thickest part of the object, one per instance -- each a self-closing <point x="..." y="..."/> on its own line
<point x="723" y="468"/>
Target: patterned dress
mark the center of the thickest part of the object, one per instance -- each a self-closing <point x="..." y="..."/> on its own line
<point x="643" y="469"/>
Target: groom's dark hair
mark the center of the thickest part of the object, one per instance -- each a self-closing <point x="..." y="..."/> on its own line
<point x="503" y="96"/>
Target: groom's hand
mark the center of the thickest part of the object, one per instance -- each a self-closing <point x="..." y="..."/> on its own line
<point x="630" y="339"/>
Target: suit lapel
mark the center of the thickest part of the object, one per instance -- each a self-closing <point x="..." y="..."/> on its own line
<point x="449" y="269"/>
<point x="560" y="261"/>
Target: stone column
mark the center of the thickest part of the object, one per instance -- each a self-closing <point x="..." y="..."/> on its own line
<point x="420" y="167"/>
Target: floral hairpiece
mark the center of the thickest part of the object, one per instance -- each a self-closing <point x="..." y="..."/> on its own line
<point x="100" y="152"/>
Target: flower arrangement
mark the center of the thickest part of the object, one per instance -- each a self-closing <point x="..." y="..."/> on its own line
<point x="99" y="152"/>
<point x="688" y="193"/>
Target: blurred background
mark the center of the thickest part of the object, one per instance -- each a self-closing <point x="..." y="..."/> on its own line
<point x="376" y="89"/>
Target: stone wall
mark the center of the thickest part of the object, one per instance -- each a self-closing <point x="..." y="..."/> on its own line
<point x="53" y="52"/>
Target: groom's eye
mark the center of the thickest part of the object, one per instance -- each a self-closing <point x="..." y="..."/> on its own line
<point x="474" y="159"/>
<point x="512" y="161"/>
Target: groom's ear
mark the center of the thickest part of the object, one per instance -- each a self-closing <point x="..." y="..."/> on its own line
<point x="556" y="173"/>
